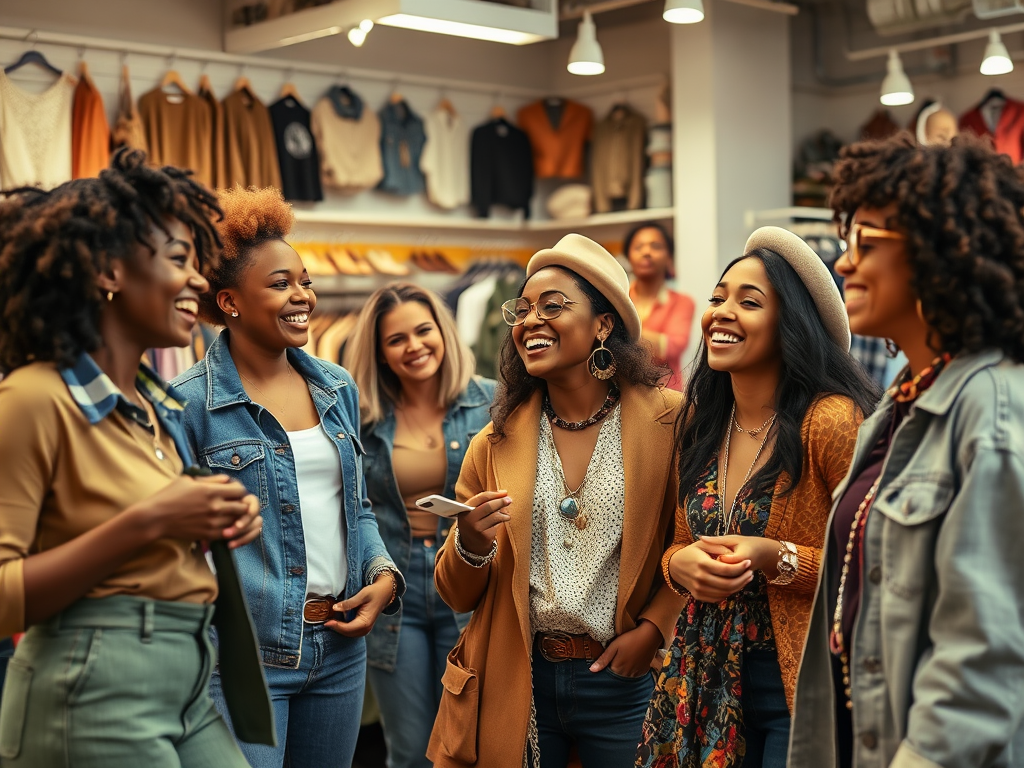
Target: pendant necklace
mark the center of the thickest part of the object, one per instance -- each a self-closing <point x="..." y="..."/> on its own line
<point x="264" y="394"/>
<point x="727" y="519"/>
<point x="571" y="506"/>
<point x="428" y="438"/>
<point x="752" y="432"/>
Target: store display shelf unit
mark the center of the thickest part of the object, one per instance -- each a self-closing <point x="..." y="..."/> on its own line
<point x="498" y="227"/>
<point x="363" y="285"/>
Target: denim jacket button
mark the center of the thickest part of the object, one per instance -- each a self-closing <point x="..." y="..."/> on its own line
<point x="869" y="740"/>
<point x="296" y="571"/>
<point x="872" y="665"/>
<point x="236" y="460"/>
<point x="279" y="451"/>
<point x="454" y="445"/>
<point x="288" y="508"/>
<point x="875" y="574"/>
<point x="342" y="435"/>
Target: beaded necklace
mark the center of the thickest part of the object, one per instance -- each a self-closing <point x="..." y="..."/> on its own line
<point x="574" y="426"/>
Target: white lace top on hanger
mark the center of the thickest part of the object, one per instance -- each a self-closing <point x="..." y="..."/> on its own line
<point x="35" y="134"/>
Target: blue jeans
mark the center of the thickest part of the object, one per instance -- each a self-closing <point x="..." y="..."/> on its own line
<point x="765" y="712"/>
<point x="601" y="712"/>
<point x="409" y="696"/>
<point x="316" y="707"/>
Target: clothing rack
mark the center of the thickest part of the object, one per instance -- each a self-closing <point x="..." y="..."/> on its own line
<point x="84" y="43"/>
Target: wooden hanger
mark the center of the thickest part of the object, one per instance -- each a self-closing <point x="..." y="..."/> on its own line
<point x="288" y="90"/>
<point x="446" y="105"/>
<point x="171" y="77"/>
<point x="396" y="97"/>
<point x="83" y="72"/>
<point x="498" y="112"/>
<point x="205" y="86"/>
<point x="243" y="84"/>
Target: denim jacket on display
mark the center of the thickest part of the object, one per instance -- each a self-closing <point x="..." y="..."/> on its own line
<point x="465" y="418"/>
<point x="402" y="138"/>
<point x="938" y="644"/>
<point x="232" y="435"/>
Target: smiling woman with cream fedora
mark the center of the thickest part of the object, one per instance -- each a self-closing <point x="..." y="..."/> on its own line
<point x="573" y="495"/>
<point x="766" y="432"/>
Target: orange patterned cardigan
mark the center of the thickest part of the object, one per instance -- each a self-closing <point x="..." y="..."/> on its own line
<point x="829" y="433"/>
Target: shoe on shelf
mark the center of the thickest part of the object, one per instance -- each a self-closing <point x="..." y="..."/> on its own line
<point x="343" y="261"/>
<point x="385" y="263"/>
<point x="443" y="264"/>
<point x="361" y="263"/>
<point x="315" y="262"/>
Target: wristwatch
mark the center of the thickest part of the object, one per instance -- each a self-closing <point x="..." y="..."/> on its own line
<point x="788" y="565"/>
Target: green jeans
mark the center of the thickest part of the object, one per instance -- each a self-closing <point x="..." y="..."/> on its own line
<point x="115" y="682"/>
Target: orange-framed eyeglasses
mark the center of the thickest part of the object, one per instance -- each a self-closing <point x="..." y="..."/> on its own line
<point x="861" y="232"/>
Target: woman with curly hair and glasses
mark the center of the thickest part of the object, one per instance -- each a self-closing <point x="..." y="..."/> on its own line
<point x="99" y="528"/>
<point x="573" y="493"/>
<point x="286" y="425"/>
<point x="915" y="655"/>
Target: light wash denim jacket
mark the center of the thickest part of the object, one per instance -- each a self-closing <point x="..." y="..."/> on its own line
<point x="234" y="436"/>
<point x="938" y="644"/>
<point x="465" y="418"/>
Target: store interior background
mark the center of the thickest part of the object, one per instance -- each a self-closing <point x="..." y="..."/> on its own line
<point x="747" y="87"/>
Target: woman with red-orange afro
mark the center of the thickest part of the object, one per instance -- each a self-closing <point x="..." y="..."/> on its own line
<point x="287" y="426"/>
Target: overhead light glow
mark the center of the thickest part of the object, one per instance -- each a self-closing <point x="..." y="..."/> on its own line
<point x="366" y="25"/>
<point x="683" y="11"/>
<point x="997" y="59"/>
<point x="357" y="36"/>
<point x="586" y="56"/>
<point x="896" y="87"/>
<point x="314" y="35"/>
<point x="459" y="29"/>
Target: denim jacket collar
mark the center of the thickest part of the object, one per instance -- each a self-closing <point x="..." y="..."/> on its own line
<point x="473" y="396"/>
<point x="224" y="385"/>
<point x="939" y="397"/>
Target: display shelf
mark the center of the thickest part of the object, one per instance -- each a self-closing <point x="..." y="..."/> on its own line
<point x="364" y="285"/>
<point x="775" y="215"/>
<point x="492" y="226"/>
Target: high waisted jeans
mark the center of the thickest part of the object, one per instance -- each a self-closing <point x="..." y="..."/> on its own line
<point x="115" y="682"/>
<point x="765" y="712"/>
<point x="601" y="712"/>
<point x="316" y="707"/>
<point x="409" y="696"/>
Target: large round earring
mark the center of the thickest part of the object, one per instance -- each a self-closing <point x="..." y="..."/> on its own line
<point x="601" y="363"/>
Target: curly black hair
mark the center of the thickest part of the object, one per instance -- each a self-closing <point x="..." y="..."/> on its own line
<point x="962" y="208"/>
<point x="634" y="363"/>
<point x="54" y="244"/>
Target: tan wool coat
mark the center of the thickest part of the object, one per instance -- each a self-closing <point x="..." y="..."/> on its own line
<point x="485" y="706"/>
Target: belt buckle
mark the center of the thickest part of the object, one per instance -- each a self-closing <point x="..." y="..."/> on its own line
<point x="561" y="641"/>
<point x="317" y="610"/>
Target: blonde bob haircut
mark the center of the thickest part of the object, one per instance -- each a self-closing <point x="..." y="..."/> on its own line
<point x="379" y="387"/>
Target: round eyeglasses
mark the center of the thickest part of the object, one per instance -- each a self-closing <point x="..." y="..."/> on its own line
<point x="548" y="307"/>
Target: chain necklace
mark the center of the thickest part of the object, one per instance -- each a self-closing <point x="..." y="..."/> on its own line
<point x="752" y="432"/>
<point x="574" y="426"/>
<point x="727" y="519"/>
<point x="428" y="438"/>
<point x="153" y="427"/>
<point x="571" y="506"/>
<point x="837" y="643"/>
<point x="264" y="394"/>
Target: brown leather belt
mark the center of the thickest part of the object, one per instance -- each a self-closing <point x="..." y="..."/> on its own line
<point x="560" y="646"/>
<point x="318" y="608"/>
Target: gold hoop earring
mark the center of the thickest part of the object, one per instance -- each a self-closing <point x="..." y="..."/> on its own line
<point x="601" y="363"/>
<point x="920" y="312"/>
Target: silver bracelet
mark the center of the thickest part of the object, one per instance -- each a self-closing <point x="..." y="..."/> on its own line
<point x="476" y="561"/>
<point x="788" y="565"/>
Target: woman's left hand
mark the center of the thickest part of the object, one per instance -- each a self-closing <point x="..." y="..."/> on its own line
<point x="631" y="653"/>
<point x="762" y="553"/>
<point x="367" y="603"/>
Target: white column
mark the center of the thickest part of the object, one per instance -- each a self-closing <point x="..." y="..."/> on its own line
<point x="731" y="117"/>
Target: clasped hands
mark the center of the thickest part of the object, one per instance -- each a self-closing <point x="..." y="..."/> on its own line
<point x="715" y="567"/>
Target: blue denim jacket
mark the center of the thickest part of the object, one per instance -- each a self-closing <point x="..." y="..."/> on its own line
<point x="465" y="418"/>
<point x="937" y="658"/>
<point x="232" y="435"/>
<point x="402" y="139"/>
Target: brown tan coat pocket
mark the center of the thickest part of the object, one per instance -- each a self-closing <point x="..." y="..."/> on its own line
<point x="456" y="722"/>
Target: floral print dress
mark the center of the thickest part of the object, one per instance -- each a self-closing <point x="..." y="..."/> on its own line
<point x="696" y="717"/>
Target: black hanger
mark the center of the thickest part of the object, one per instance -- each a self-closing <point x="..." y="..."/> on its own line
<point x="33" y="57"/>
<point x="993" y="93"/>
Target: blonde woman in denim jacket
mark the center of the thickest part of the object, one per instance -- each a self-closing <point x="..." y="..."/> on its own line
<point x="915" y="654"/>
<point x="421" y="405"/>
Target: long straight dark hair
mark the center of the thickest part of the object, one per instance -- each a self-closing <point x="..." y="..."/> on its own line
<point x="812" y="366"/>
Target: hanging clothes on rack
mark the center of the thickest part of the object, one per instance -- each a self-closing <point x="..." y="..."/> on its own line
<point x="445" y="161"/>
<point x="35" y="134"/>
<point x="347" y="136"/>
<point x="217" y="142"/>
<point x="1002" y="119"/>
<point x="617" y="160"/>
<point x="250" y="154"/>
<point x="90" y="131"/>
<point x="128" y="129"/>
<point x="296" y="151"/>
<point x="501" y="167"/>
<point x="401" y="145"/>
<point x="559" y="130"/>
<point x="179" y="131"/>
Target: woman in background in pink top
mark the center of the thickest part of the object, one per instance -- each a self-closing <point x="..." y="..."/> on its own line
<point x="665" y="314"/>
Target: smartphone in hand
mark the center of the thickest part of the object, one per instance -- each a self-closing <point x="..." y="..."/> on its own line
<point x="441" y="506"/>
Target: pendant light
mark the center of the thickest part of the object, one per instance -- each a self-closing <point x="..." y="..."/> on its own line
<point x="997" y="58"/>
<point x="683" y="11"/>
<point x="896" y="88"/>
<point x="357" y="35"/>
<point x="586" y="56"/>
